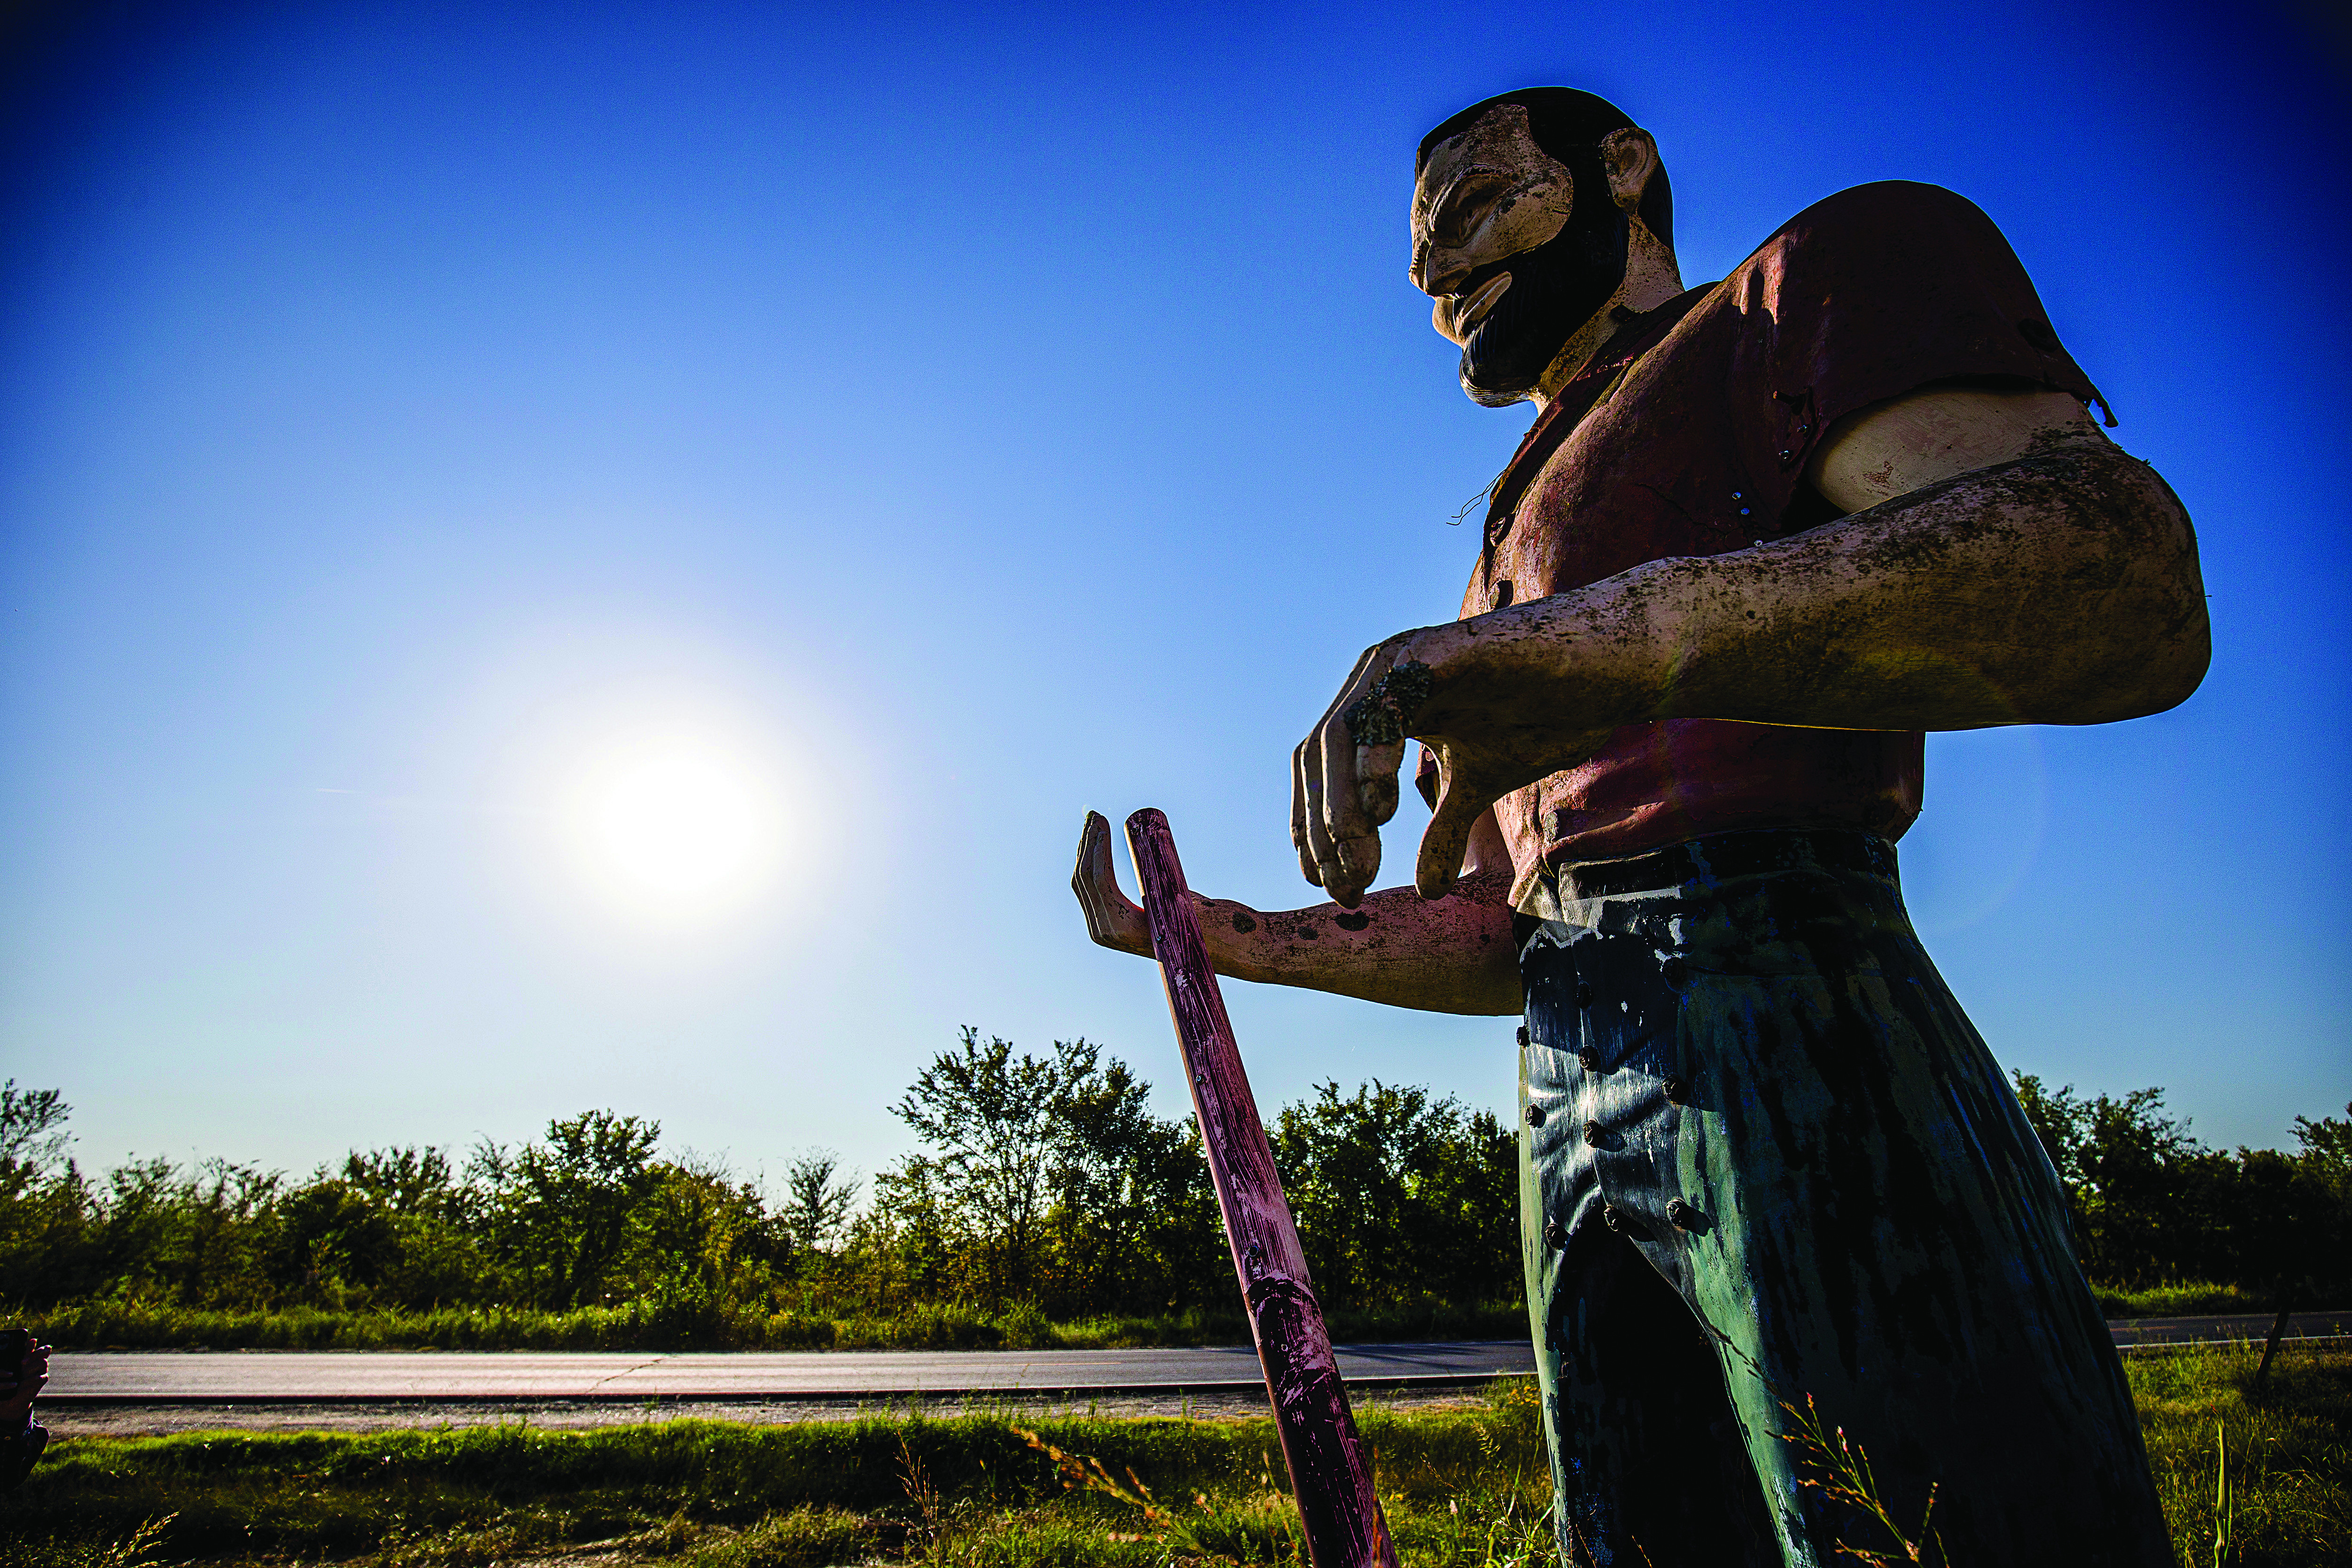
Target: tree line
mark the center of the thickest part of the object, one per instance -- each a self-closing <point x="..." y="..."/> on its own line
<point x="1043" y="1182"/>
<point x="1042" y="1185"/>
<point x="2151" y="1204"/>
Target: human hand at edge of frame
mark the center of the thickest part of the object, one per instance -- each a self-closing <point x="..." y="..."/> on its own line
<point x="32" y="1376"/>
<point x="1437" y="685"/>
<point x="1113" y="919"/>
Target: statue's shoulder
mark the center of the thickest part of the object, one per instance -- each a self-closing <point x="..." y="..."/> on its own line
<point x="1863" y="296"/>
<point x="1901" y="202"/>
<point x="1887" y="225"/>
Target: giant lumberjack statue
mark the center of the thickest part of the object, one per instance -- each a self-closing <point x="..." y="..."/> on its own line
<point x="1763" y="533"/>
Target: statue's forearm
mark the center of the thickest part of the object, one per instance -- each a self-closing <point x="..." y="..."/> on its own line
<point x="2062" y="589"/>
<point x="1452" y="954"/>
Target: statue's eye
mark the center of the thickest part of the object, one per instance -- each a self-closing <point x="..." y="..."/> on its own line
<point x="1464" y="205"/>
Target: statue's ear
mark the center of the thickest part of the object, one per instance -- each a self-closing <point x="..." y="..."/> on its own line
<point x="1630" y="157"/>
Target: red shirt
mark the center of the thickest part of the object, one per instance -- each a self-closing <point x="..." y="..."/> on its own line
<point x="1688" y="436"/>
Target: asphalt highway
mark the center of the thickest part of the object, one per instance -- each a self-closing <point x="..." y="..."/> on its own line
<point x="98" y="1379"/>
<point x="374" y="1377"/>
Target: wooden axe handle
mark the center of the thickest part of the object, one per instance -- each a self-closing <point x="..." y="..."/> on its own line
<point x="1329" y="1472"/>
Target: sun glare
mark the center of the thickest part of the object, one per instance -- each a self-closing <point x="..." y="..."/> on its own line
<point x="674" y="828"/>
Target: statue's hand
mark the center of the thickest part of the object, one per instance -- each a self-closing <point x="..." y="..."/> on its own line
<point x="1494" y="715"/>
<point x="31" y="1377"/>
<point x="1343" y="776"/>
<point x="1113" y="919"/>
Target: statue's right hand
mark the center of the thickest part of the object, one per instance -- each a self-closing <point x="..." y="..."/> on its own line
<point x="1113" y="919"/>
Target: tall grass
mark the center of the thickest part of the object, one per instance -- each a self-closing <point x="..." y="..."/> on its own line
<point x="1462" y="1487"/>
<point x="953" y="1490"/>
<point x="668" y="1326"/>
<point x="643" y="1325"/>
<point x="2250" y="1477"/>
<point x="2186" y="1298"/>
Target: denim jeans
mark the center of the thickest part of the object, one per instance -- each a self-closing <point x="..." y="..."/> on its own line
<point x="1765" y="1159"/>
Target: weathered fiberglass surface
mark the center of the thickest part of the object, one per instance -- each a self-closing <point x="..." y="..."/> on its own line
<point x="1688" y="435"/>
<point x="1756" y="1123"/>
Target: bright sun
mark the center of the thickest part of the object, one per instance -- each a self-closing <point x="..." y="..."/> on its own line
<point x="674" y="827"/>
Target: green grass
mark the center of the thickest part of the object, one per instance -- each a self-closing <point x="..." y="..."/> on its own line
<point x="1463" y="1485"/>
<point x="644" y="1326"/>
<point x="637" y="1326"/>
<point x="2288" y="1449"/>
<point x="1464" y="1488"/>
<point x="2185" y="1297"/>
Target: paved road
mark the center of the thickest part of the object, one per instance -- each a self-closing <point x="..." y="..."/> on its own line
<point x="175" y="1376"/>
<point x="2138" y="1333"/>
<point x="194" y="1377"/>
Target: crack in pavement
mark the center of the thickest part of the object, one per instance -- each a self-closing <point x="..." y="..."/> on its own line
<point x="626" y="1372"/>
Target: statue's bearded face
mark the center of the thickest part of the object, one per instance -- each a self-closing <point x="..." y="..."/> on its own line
<point x="1517" y="260"/>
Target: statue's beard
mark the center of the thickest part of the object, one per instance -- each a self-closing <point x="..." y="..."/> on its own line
<point x="1555" y="288"/>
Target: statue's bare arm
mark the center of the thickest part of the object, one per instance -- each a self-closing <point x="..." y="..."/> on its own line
<point x="1452" y="954"/>
<point x="2003" y="564"/>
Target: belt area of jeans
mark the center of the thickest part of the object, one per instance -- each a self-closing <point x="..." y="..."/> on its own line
<point x="1721" y="855"/>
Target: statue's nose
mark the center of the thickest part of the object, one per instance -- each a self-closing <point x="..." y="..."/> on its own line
<point x="1449" y="281"/>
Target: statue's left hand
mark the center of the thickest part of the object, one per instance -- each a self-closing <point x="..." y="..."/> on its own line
<point x="1113" y="919"/>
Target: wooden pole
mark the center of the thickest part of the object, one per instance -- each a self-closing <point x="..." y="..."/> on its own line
<point x="1330" y="1474"/>
<point x="2270" y="1346"/>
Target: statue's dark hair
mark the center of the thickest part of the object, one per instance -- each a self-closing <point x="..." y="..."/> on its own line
<point x="1569" y="126"/>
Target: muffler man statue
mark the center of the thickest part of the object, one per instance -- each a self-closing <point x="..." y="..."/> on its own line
<point x="1761" y="535"/>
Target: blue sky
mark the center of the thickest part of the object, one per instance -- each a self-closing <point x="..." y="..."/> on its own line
<point x="972" y="416"/>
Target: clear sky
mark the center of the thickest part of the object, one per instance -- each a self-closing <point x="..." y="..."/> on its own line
<point x="431" y="434"/>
